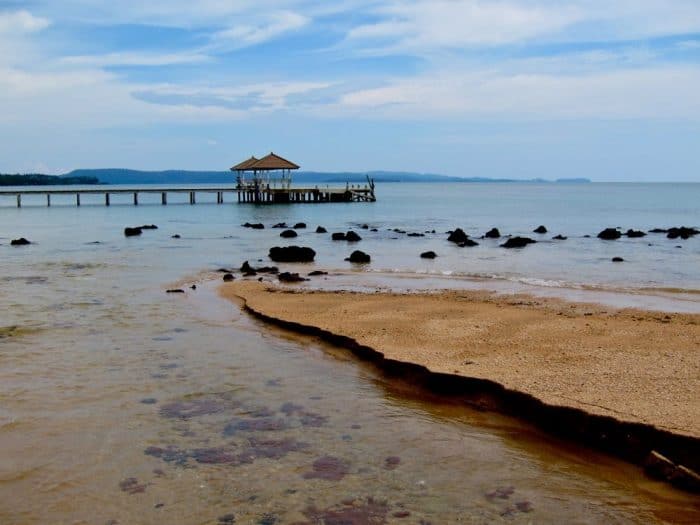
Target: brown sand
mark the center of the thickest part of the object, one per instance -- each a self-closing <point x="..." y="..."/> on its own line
<point x="635" y="366"/>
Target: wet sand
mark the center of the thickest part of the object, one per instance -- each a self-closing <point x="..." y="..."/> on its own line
<point x="633" y="366"/>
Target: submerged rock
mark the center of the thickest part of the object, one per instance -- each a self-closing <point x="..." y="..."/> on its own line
<point x="610" y="234"/>
<point x="132" y="232"/>
<point x="328" y="468"/>
<point x="635" y="233"/>
<point x="228" y="277"/>
<point x="338" y="236"/>
<point x="351" y="236"/>
<point x="287" y="277"/>
<point x="469" y="243"/>
<point x="518" y="242"/>
<point x="280" y="225"/>
<point x="176" y="236"/>
<point x="300" y="226"/>
<point x="458" y="236"/>
<point x="428" y="255"/>
<point x="321" y="229"/>
<point x="618" y="259"/>
<point x="292" y="254"/>
<point x="358" y="257"/>
<point x="288" y="234"/>
<point x="256" y="226"/>
<point x="493" y="233"/>
<point x="316" y="273"/>
<point x="20" y="242"/>
<point x="149" y="227"/>
<point x="540" y="229"/>
<point x="559" y="238"/>
<point x="175" y="290"/>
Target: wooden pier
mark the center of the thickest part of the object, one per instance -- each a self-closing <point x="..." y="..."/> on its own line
<point x="236" y="194"/>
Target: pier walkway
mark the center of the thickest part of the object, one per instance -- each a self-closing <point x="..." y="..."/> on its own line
<point x="245" y="194"/>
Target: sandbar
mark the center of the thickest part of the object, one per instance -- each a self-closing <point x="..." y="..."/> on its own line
<point x="632" y="365"/>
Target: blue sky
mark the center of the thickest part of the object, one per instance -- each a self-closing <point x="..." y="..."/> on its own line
<point x="511" y="88"/>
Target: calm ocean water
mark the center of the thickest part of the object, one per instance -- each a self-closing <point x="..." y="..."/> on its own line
<point x="121" y="404"/>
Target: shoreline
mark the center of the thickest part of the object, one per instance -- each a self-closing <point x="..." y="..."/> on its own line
<point x="544" y="370"/>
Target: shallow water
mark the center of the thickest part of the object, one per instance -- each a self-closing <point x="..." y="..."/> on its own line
<point x="122" y="404"/>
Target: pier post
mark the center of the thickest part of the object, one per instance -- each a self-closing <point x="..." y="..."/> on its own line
<point x="77" y="199"/>
<point x="136" y="199"/>
<point x="19" y="200"/>
<point x="48" y="200"/>
<point x="192" y="200"/>
<point x="106" y="199"/>
<point x="164" y="198"/>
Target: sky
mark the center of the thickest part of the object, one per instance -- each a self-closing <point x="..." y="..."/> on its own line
<point x="504" y="88"/>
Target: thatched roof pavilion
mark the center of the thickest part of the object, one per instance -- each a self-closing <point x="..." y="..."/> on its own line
<point x="265" y="165"/>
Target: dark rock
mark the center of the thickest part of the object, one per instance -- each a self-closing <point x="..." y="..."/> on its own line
<point x="227" y="519"/>
<point x="458" y="236"/>
<point x="256" y="226"/>
<point x="316" y="273"/>
<point x="321" y="229"/>
<point x="176" y="236"/>
<point x="374" y="230"/>
<point x="338" y="236"/>
<point x="416" y="235"/>
<point x="635" y="233"/>
<point x="610" y="234"/>
<point x="469" y="243"/>
<point x="247" y="269"/>
<point x="351" y="236"/>
<point x="618" y="259"/>
<point x="683" y="232"/>
<point x="287" y="277"/>
<point x="149" y="401"/>
<point x="292" y="254"/>
<point x="175" y="290"/>
<point x="559" y="238"/>
<point x="518" y="242"/>
<point x="358" y="257"/>
<point x="540" y="229"/>
<point x="193" y="287"/>
<point x="280" y="225"/>
<point x="149" y="227"/>
<point x="19" y="242"/>
<point x="268" y="269"/>
<point x="288" y="234"/>
<point x="428" y="255"/>
<point x="493" y="233"/>
<point x="131" y="232"/>
<point x="300" y="226"/>
<point x="658" y="230"/>
<point x="586" y="236"/>
<point x="365" y="226"/>
<point x="224" y="270"/>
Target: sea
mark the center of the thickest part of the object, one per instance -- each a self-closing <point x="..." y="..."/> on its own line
<point x="121" y="403"/>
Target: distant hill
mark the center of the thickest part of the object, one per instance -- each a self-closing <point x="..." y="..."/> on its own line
<point x="36" y="179"/>
<point x="126" y="176"/>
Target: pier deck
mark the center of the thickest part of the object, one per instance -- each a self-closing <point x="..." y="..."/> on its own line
<point x="245" y="194"/>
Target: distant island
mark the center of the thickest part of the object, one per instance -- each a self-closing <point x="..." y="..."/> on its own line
<point x="127" y="176"/>
<point x="36" y="179"/>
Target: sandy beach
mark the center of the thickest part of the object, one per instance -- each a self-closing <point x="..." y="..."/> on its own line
<point x="634" y="366"/>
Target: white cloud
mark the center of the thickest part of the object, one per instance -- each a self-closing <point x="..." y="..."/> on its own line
<point x="663" y="92"/>
<point x="135" y="59"/>
<point x="20" y="22"/>
<point x="239" y="36"/>
<point x="422" y="26"/>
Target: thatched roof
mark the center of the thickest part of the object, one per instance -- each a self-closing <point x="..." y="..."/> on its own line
<point x="267" y="163"/>
<point x="246" y="164"/>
